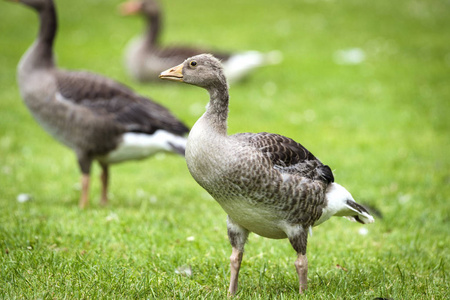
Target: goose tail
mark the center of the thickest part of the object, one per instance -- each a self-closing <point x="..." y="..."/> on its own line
<point x="340" y="203"/>
<point x="241" y="64"/>
<point x="360" y="213"/>
<point x="178" y="146"/>
<point x="141" y="145"/>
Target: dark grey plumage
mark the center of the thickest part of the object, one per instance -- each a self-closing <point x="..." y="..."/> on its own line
<point x="94" y="115"/>
<point x="289" y="156"/>
<point x="267" y="183"/>
<point x="106" y="97"/>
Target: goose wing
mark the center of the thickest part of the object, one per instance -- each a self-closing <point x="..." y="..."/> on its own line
<point x="108" y="98"/>
<point x="288" y="156"/>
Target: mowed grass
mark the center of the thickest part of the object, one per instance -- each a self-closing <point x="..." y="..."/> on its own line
<point x="382" y="125"/>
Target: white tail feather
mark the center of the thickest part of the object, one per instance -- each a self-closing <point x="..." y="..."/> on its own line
<point x="141" y="145"/>
<point x="241" y="64"/>
<point x="362" y="216"/>
<point x="341" y="203"/>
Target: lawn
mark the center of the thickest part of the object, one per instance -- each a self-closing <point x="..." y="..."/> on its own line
<point x="379" y="118"/>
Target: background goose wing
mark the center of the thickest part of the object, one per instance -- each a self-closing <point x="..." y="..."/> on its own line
<point x="288" y="156"/>
<point x="107" y="97"/>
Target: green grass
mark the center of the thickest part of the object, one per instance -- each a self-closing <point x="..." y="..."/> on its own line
<point x="382" y="125"/>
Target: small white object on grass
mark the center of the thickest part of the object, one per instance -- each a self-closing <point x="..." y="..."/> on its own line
<point x="184" y="270"/>
<point x="22" y="198"/>
<point x="352" y="56"/>
<point x="190" y="238"/>
<point x="363" y="231"/>
<point x="153" y="199"/>
<point x="404" y="198"/>
<point x="112" y="217"/>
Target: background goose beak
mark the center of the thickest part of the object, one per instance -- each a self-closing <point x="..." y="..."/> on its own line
<point x="175" y="73"/>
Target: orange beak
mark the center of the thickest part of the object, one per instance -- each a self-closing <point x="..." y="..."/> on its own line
<point x="174" y="74"/>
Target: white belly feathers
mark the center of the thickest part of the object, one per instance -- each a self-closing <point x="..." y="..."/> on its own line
<point x="254" y="218"/>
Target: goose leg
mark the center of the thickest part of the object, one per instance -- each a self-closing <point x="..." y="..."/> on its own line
<point x="238" y="236"/>
<point x="235" y="265"/>
<point x="104" y="179"/>
<point x="85" y="166"/>
<point x="301" y="265"/>
<point x="84" y="199"/>
<point x="298" y="241"/>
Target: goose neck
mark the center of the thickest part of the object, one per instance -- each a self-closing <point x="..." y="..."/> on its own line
<point x="41" y="53"/>
<point x="153" y="29"/>
<point x="217" y="110"/>
<point x="48" y="24"/>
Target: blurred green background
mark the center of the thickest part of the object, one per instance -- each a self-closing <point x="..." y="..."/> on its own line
<point x="363" y="85"/>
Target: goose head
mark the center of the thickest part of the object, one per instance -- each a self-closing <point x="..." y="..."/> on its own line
<point x="38" y="5"/>
<point x="203" y="70"/>
<point x="145" y="7"/>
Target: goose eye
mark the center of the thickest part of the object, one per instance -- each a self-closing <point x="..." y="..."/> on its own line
<point x="193" y="63"/>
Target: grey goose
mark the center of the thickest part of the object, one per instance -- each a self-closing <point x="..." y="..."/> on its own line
<point x="145" y="57"/>
<point x="97" y="117"/>
<point x="266" y="183"/>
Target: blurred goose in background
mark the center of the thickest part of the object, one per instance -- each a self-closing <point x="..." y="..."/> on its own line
<point x="145" y="58"/>
<point x="266" y="183"/>
<point x="97" y="117"/>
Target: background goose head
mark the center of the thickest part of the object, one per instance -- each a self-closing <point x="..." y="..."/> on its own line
<point x="146" y="7"/>
<point x="203" y="70"/>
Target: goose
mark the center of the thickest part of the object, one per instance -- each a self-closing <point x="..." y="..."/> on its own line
<point x="145" y="58"/>
<point x="97" y="117"/>
<point x="267" y="183"/>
